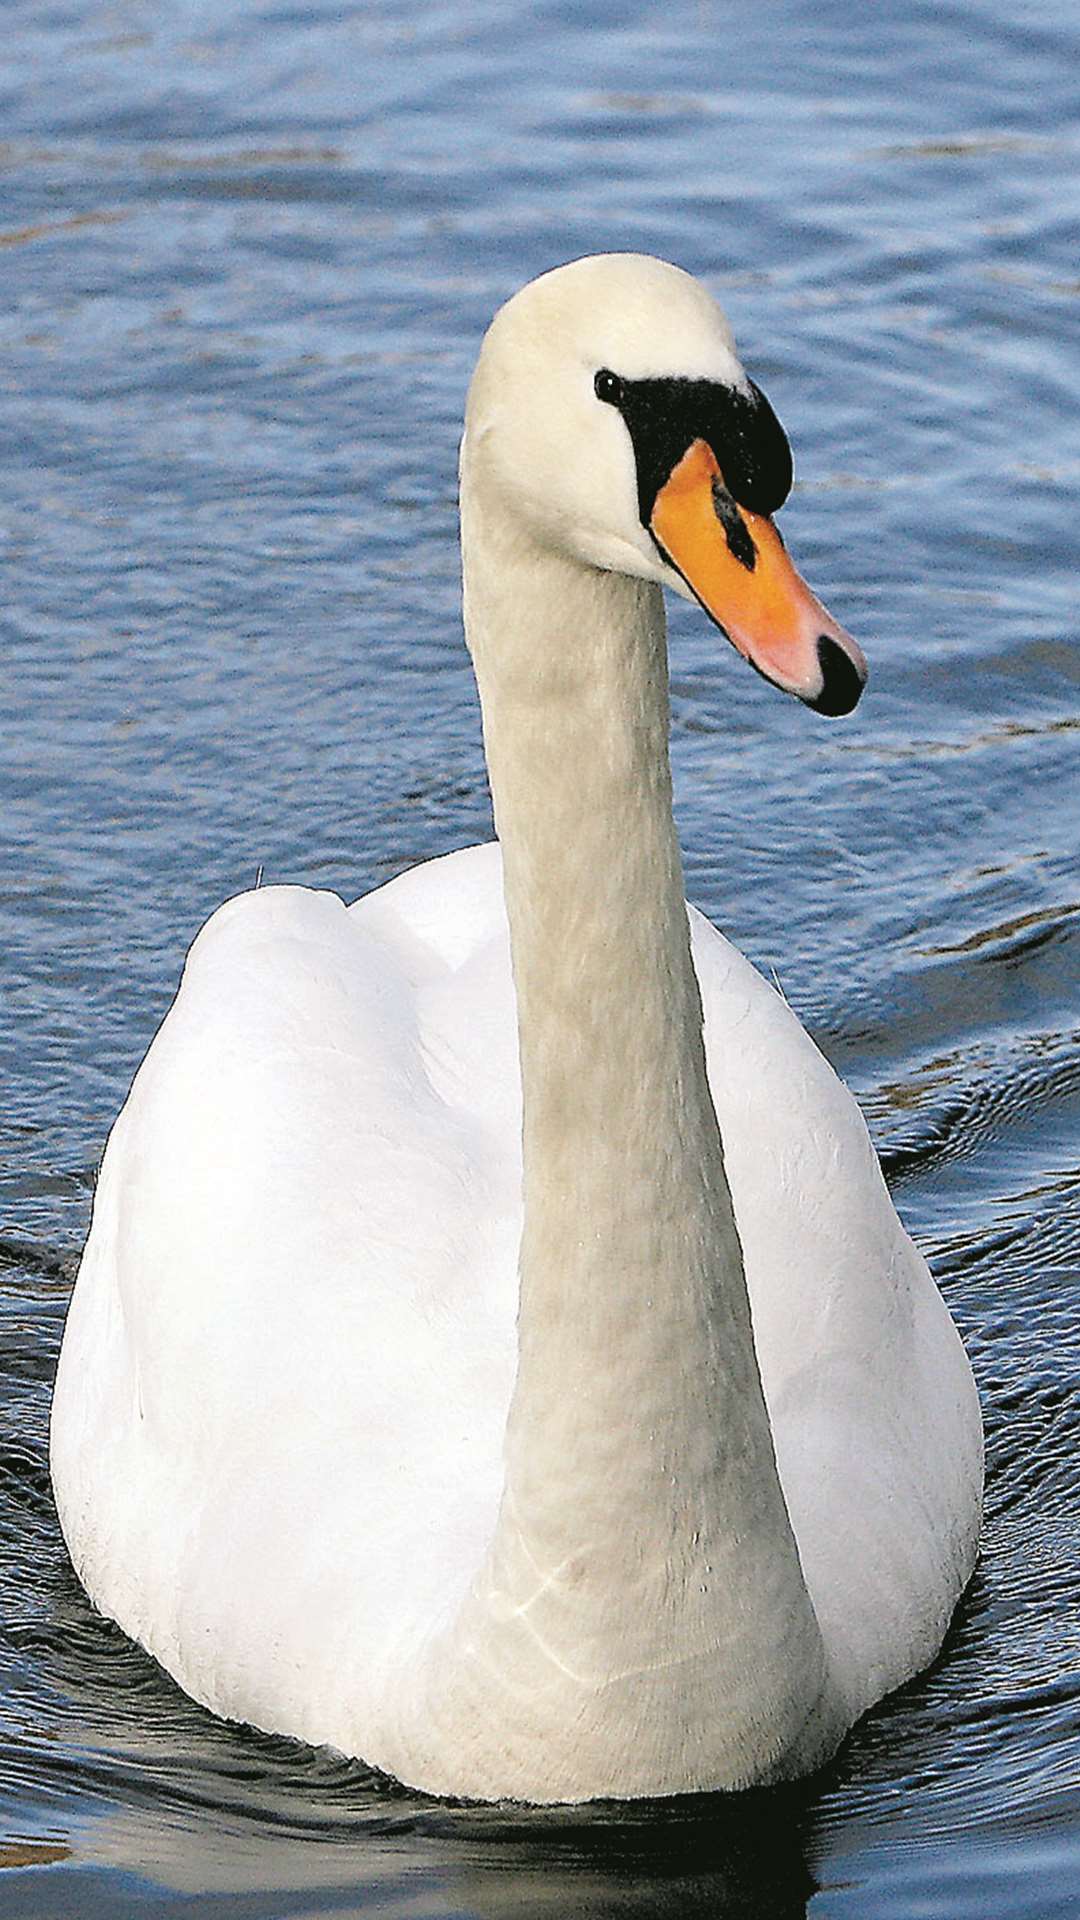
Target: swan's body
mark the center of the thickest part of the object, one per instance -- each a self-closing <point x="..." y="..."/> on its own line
<point x="315" y="1444"/>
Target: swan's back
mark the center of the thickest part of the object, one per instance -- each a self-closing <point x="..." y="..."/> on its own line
<point x="278" y="1425"/>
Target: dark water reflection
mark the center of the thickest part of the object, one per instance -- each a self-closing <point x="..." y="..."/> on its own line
<point x="248" y="254"/>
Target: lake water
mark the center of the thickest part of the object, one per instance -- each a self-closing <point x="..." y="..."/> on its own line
<point x="248" y="253"/>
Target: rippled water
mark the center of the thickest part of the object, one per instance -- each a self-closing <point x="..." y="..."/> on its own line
<point x="248" y="254"/>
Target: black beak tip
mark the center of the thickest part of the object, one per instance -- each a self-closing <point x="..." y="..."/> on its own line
<point x="841" y="680"/>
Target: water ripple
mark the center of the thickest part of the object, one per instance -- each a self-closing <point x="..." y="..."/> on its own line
<point x="248" y="256"/>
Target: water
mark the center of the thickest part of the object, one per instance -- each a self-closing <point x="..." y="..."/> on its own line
<point x="248" y="255"/>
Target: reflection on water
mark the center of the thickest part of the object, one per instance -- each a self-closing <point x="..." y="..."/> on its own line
<point x="674" y="1859"/>
<point x="248" y="255"/>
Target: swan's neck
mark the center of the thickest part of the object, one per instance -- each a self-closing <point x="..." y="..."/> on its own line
<point x="643" y="1540"/>
<point x="632" y="1288"/>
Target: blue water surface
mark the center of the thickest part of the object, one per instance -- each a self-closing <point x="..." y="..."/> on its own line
<point x="248" y="254"/>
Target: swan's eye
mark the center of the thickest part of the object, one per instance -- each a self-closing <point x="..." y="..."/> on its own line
<point x="608" y="386"/>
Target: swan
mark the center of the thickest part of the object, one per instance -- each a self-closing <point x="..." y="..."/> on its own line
<point x="495" y="1353"/>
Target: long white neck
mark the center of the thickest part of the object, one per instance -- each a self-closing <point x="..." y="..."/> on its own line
<point x="643" y="1575"/>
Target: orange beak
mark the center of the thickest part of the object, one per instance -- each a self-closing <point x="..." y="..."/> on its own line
<point x="735" y="563"/>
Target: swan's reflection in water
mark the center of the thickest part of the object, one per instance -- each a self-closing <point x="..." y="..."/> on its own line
<point x="707" y="1856"/>
<point x="713" y="1856"/>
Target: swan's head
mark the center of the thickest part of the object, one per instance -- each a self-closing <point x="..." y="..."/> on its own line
<point x="612" y="413"/>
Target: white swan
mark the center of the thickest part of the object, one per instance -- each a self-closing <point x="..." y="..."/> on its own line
<point x="313" y="1443"/>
